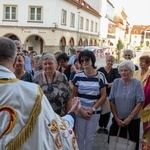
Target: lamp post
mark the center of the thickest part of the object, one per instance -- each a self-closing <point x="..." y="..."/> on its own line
<point x="78" y="30"/>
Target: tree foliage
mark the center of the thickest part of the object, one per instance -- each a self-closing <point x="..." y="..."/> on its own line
<point x="120" y="45"/>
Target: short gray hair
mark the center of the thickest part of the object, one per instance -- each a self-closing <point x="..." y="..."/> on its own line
<point x="37" y="56"/>
<point x="127" y="63"/>
<point x="7" y="49"/>
<point x="17" y="42"/>
<point x="49" y="55"/>
<point x="128" y="51"/>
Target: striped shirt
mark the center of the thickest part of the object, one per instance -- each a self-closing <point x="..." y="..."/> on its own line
<point x="89" y="88"/>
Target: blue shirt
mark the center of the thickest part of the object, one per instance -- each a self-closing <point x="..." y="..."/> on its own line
<point x="89" y="88"/>
<point x="27" y="63"/>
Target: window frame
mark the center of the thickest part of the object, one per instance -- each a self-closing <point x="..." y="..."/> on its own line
<point x="81" y="22"/>
<point x="36" y="13"/>
<point x="87" y="25"/>
<point x="63" y="17"/>
<point x="72" y="20"/>
<point x="11" y="13"/>
<point x="92" y="24"/>
<point x="96" y="26"/>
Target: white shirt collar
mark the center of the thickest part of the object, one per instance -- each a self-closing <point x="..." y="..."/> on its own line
<point x="6" y="73"/>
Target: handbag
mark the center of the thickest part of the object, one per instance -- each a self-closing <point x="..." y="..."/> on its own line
<point x="105" y="107"/>
<point x="118" y="143"/>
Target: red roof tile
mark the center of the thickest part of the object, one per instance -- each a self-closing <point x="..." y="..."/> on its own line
<point x="138" y="29"/>
<point x="85" y="5"/>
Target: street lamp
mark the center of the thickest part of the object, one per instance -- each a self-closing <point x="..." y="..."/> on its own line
<point x="78" y="30"/>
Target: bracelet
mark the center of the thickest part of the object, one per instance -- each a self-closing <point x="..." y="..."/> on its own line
<point x="93" y="109"/>
<point x="131" y="116"/>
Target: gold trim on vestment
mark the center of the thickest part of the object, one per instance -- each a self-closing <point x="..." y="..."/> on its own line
<point x="25" y="133"/>
<point x="8" y="80"/>
<point x="145" y="115"/>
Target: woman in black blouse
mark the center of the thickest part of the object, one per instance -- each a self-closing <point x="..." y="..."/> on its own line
<point x="65" y="68"/>
<point x="110" y="74"/>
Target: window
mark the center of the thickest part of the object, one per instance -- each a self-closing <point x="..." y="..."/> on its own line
<point x="95" y="27"/>
<point x="10" y="12"/>
<point x="92" y="26"/>
<point x="81" y="22"/>
<point x="72" y="20"/>
<point x="63" y="17"/>
<point x="87" y="24"/>
<point x="35" y="13"/>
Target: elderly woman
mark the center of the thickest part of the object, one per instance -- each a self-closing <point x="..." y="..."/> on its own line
<point x="144" y="72"/>
<point x="19" y="67"/>
<point x="90" y="87"/>
<point x="54" y="85"/>
<point x="128" y="55"/>
<point x="37" y="64"/>
<point x="126" y="100"/>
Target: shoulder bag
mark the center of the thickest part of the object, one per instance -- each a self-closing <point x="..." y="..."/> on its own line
<point x="118" y="143"/>
<point x="105" y="107"/>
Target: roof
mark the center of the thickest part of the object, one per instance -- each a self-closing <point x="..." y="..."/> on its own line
<point x="139" y="29"/>
<point x="84" y="5"/>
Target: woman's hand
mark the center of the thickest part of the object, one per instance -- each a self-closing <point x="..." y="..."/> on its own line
<point x="120" y="122"/>
<point x="76" y="105"/>
<point x="86" y="114"/>
<point x="127" y="120"/>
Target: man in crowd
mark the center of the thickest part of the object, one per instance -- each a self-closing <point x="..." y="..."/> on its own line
<point x="27" y="58"/>
<point x="73" y="57"/>
<point x="28" y="121"/>
<point x="128" y="54"/>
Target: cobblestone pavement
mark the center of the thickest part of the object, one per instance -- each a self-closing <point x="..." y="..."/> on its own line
<point x="100" y="140"/>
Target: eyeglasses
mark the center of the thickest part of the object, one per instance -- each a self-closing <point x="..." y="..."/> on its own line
<point x="127" y="55"/>
<point x="87" y="59"/>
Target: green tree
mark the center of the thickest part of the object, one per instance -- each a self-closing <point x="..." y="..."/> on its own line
<point x="120" y="46"/>
<point x="147" y="43"/>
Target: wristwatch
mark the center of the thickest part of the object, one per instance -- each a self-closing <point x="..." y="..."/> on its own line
<point x="93" y="109"/>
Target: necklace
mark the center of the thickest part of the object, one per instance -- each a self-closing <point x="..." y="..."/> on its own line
<point x="50" y="85"/>
<point x="50" y="79"/>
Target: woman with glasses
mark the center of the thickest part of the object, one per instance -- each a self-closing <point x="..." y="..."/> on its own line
<point x="90" y="87"/>
<point x="19" y="67"/>
<point x="126" y="99"/>
<point x="54" y="85"/>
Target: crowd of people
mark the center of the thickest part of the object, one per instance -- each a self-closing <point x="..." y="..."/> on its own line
<point x="54" y="101"/>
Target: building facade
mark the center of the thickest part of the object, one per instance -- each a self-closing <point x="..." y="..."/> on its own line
<point x="49" y="25"/>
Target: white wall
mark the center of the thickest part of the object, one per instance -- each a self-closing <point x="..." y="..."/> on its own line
<point x="51" y="13"/>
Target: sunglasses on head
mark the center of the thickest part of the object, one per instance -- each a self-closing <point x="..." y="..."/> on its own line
<point x="87" y="59"/>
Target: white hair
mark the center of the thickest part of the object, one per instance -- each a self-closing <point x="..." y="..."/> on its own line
<point x="49" y="55"/>
<point x="127" y="63"/>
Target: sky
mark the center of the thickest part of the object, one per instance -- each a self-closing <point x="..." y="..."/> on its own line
<point x="138" y="11"/>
